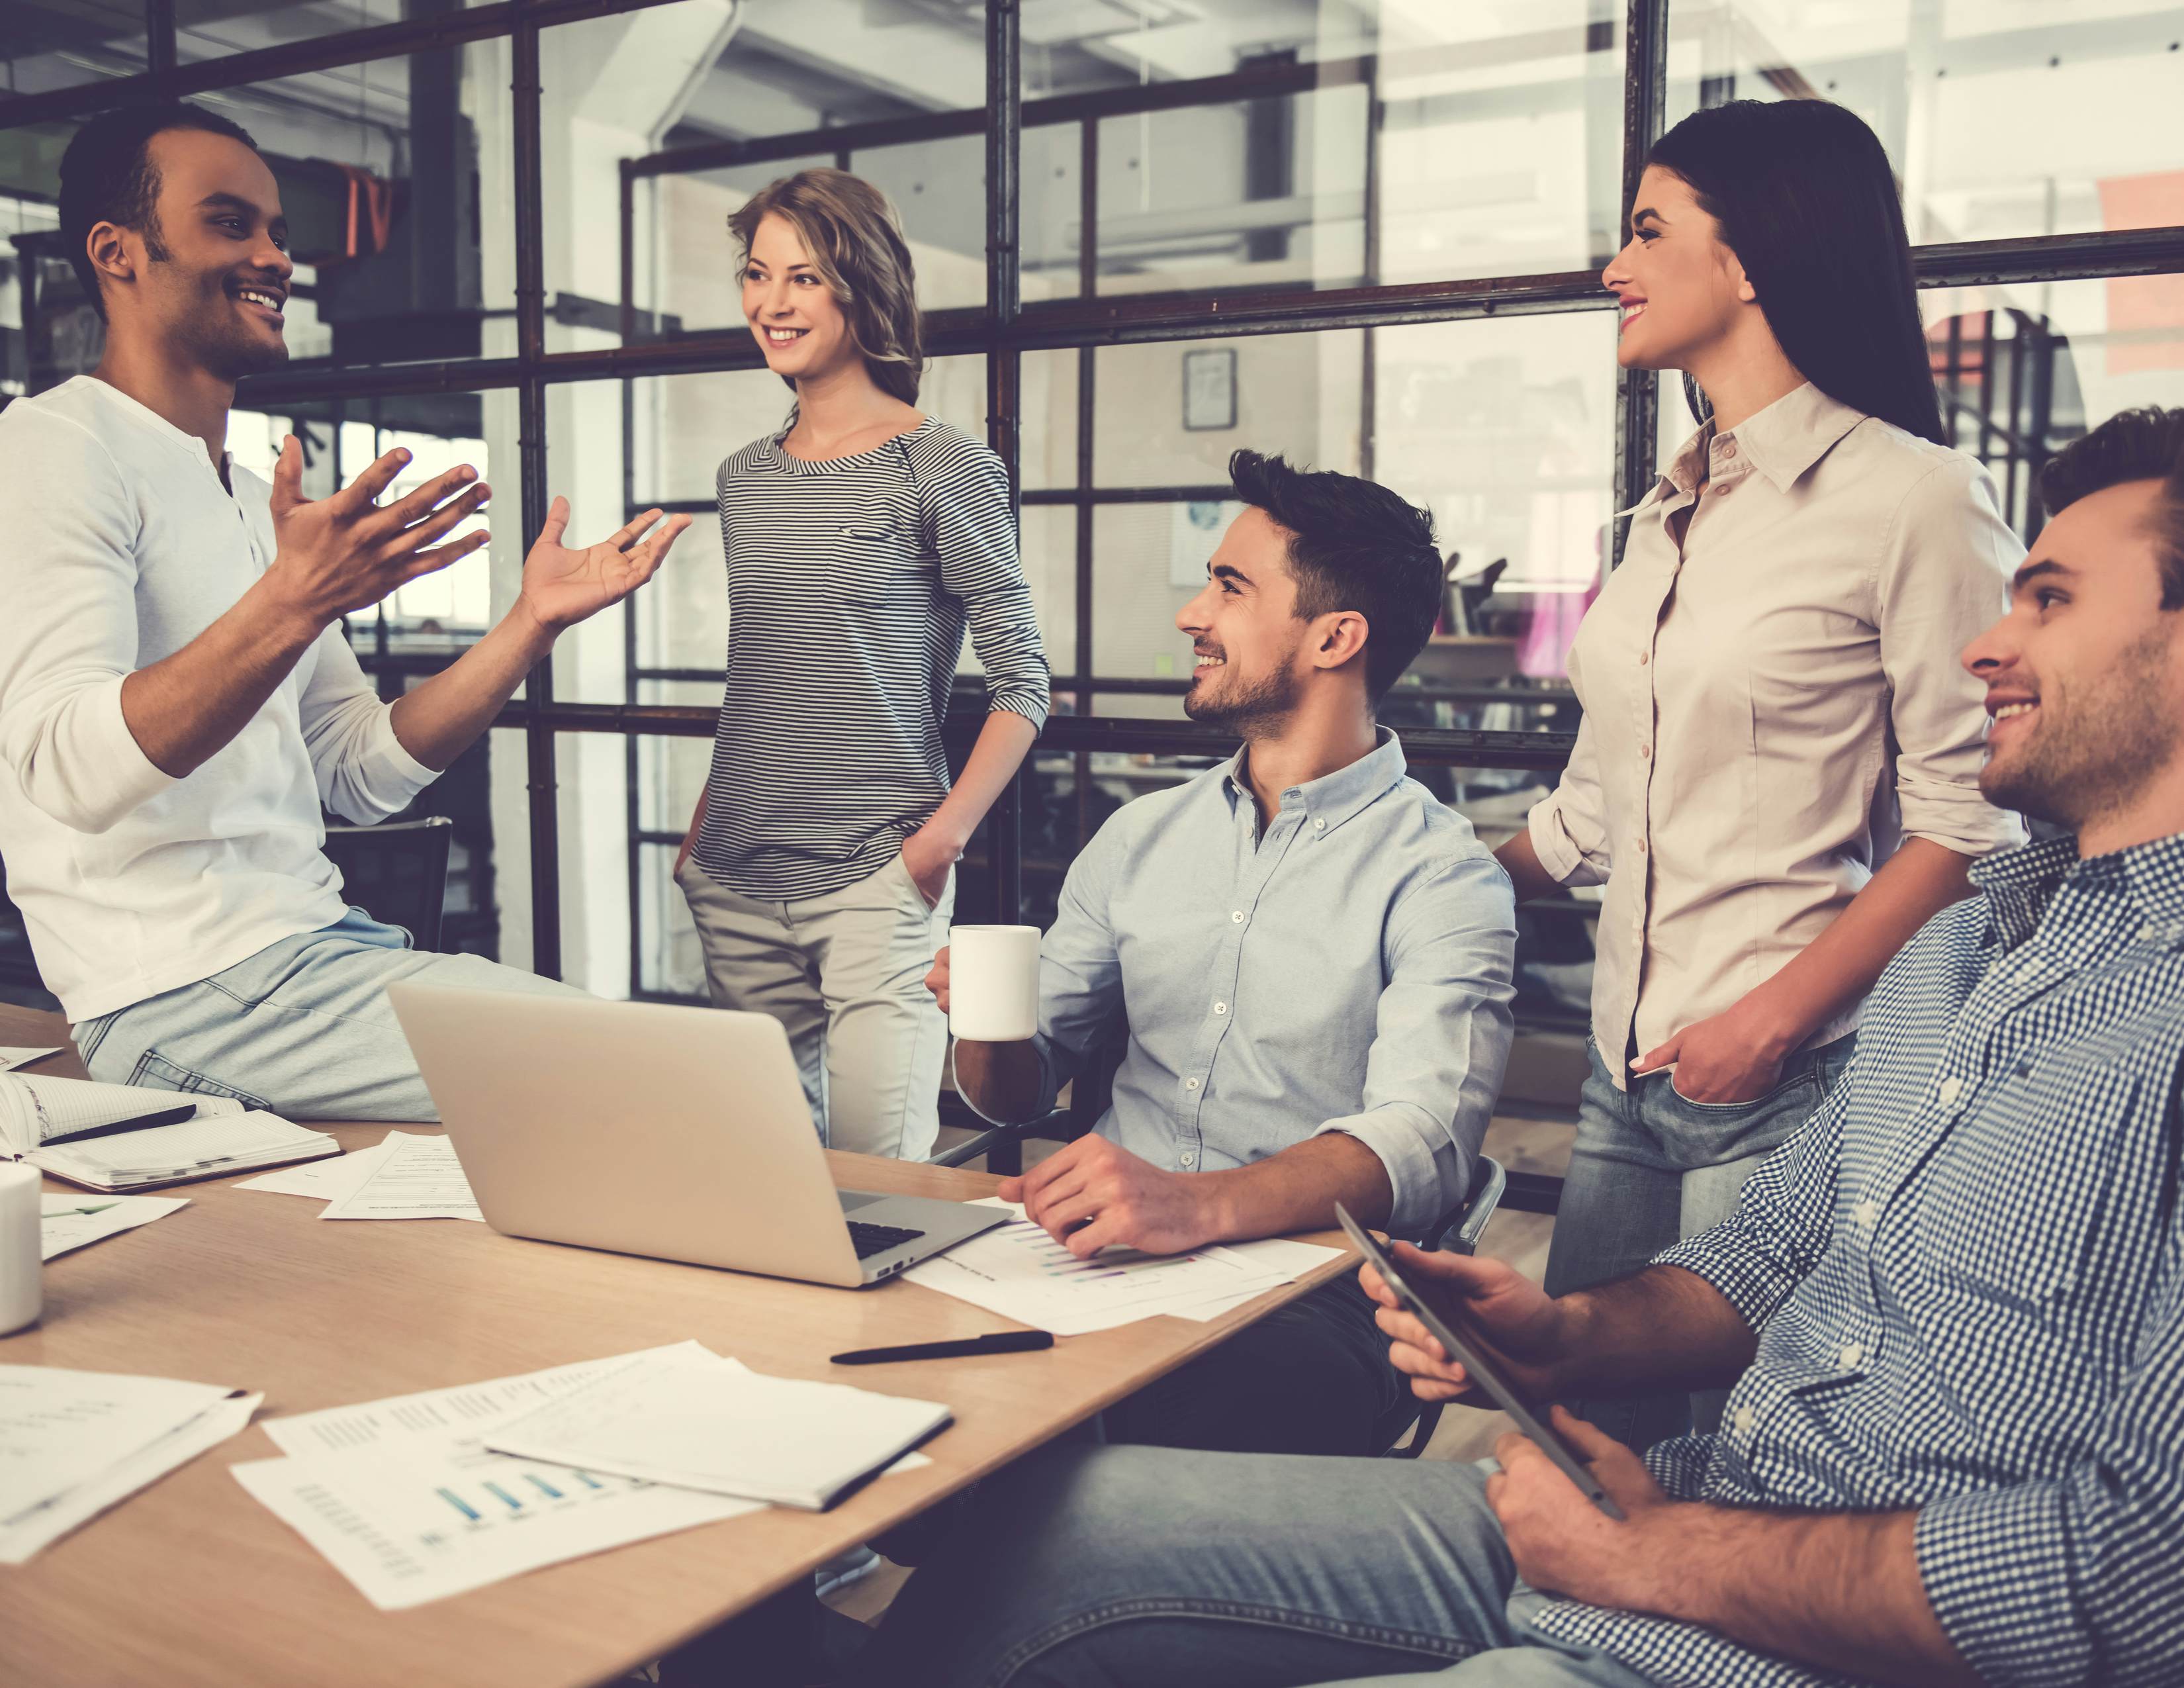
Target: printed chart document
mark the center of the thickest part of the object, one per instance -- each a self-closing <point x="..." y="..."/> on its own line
<point x="688" y="1417"/>
<point x="69" y="1222"/>
<point x="74" y="1443"/>
<point x="332" y="1179"/>
<point x="1018" y="1271"/>
<point x="403" y="1499"/>
<point x="417" y="1177"/>
<point x="13" y="1055"/>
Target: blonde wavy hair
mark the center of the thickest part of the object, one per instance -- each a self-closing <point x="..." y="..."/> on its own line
<point x="856" y="244"/>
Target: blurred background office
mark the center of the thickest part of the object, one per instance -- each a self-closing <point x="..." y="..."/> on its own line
<point x="1366" y="233"/>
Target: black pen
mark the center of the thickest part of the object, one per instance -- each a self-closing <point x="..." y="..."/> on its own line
<point x="999" y="1342"/>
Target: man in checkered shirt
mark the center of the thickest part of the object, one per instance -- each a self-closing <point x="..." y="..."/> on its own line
<point x="1953" y="1307"/>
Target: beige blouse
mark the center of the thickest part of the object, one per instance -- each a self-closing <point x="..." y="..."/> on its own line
<point x="1770" y="712"/>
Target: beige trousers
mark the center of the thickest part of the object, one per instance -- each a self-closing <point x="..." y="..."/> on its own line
<point x="844" y="974"/>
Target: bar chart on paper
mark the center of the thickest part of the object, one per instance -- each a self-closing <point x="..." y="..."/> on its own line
<point x="1019" y="1271"/>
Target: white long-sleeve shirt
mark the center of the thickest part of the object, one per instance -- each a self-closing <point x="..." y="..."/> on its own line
<point x="118" y="545"/>
<point x="1772" y="706"/>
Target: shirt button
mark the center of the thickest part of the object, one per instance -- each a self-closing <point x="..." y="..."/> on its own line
<point x="1851" y="1355"/>
<point x="1190" y="1084"/>
<point x="1186" y="1157"/>
<point x="1728" y="448"/>
<point x="1720" y="490"/>
<point x="1867" y="1213"/>
<point x="1746" y="1418"/>
<point x="1319" y="825"/>
<point x="1220" y="1008"/>
<point x="1644" y="751"/>
<point x="1644" y="657"/>
<point x="1951" y="1088"/>
<point x="2146" y="934"/>
<point x="1641" y="846"/>
<point x="1236" y="915"/>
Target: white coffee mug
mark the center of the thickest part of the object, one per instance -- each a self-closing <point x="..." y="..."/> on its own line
<point x="22" y="1293"/>
<point x="993" y="983"/>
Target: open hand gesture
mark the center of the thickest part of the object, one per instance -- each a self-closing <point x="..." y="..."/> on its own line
<point x="335" y="555"/>
<point x="563" y="585"/>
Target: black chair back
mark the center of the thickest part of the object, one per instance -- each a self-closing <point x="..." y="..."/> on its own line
<point x="397" y="872"/>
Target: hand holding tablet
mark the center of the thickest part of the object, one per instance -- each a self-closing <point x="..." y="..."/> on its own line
<point x="1481" y="1369"/>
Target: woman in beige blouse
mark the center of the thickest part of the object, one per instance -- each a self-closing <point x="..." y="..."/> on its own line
<point x="1776" y="775"/>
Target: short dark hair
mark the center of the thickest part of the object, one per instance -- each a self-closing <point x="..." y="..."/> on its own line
<point x="106" y="176"/>
<point x="2132" y="445"/>
<point x="1353" y="545"/>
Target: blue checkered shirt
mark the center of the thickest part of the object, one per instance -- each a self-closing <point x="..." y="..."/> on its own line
<point x="1967" y="1273"/>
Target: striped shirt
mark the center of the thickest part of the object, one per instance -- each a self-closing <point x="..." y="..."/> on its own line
<point x="1967" y="1273"/>
<point x="850" y="585"/>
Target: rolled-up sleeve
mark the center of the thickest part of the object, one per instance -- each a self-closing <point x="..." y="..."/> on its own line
<point x="974" y="535"/>
<point x="1442" y="1037"/>
<point x="363" y="772"/>
<point x="2079" y="1578"/>
<point x="1569" y="826"/>
<point x="1941" y="579"/>
<point x="1782" y="1222"/>
<point x="68" y="639"/>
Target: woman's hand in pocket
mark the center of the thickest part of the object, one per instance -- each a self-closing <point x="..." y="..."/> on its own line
<point x="930" y="859"/>
<point x="1733" y="1057"/>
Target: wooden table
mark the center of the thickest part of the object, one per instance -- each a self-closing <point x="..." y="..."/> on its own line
<point x="191" y="1581"/>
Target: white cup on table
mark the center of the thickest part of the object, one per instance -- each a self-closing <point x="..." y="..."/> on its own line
<point x="993" y="983"/>
<point x="22" y="1291"/>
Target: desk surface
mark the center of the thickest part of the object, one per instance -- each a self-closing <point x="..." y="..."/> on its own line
<point x="191" y="1581"/>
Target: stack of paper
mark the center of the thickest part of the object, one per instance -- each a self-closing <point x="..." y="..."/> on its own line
<point x="427" y="1183"/>
<point x="1018" y="1271"/>
<point x="405" y="1498"/>
<point x="689" y="1418"/>
<point x="69" y="1222"/>
<point x="74" y="1443"/>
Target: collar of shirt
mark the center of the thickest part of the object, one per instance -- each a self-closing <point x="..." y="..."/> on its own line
<point x="2019" y="884"/>
<point x="1332" y="798"/>
<point x="149" y="421"/>
<point x="1781" y="441"/>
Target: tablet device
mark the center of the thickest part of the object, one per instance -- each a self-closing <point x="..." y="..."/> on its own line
<point x="1482" y="1371"/>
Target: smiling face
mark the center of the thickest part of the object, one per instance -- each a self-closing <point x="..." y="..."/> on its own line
<point x="793" y="315"/>
<point x="2084" y="675"/>
<point x="1682" y="291"/>
<point x="207" y="276"/>
<point x="1245" y="631"/>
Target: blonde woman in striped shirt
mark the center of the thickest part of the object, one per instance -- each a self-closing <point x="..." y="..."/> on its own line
<point x="861" y="541"/>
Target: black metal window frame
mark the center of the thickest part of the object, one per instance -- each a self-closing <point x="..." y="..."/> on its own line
<point x="1003" y="328"/>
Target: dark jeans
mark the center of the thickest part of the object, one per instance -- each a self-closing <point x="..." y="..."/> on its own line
<point x="1311" y="1377"/>
<point x="1650" y="1167"/>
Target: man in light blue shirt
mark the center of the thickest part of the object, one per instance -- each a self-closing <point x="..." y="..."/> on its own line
<point x="1315" y="955"/>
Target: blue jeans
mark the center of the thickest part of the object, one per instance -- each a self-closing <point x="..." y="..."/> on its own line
<point x="302" y="1027"/>
<point x="1136" y="1568"/>
<point x="1649" y="1168"/>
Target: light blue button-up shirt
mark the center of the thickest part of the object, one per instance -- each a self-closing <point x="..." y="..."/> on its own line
<point x="1346" y="970"/>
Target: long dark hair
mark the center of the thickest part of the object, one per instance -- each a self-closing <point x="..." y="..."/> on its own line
<point x="1805" y="198"/>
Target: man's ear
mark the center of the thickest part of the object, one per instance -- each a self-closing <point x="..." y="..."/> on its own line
<point x="1339" y="639"/>
<point x="107" y="243"/>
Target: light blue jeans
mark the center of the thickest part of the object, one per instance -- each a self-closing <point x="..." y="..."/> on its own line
<point x="1138" y="1567"/>
<point x="1649" y="1168"/>
<point x="302" y="1027"/>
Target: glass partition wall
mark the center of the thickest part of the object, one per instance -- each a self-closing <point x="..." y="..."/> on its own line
<point x="1366" y="233"/>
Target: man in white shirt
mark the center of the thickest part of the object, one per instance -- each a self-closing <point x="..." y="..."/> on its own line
<point x="177" y="697"/>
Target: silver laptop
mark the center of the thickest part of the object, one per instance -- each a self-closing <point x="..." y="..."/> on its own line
<point x="678" y="1133"/>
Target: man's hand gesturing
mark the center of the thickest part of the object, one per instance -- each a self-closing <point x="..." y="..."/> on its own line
<point x="339" y="554"/>
<point x="563" y="584"/>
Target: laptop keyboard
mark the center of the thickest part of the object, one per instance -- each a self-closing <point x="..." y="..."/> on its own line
<point x="872" y="1240"/>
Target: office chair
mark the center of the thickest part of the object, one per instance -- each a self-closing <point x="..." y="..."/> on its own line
<point x="1458" y="1231"/>
<point x="397" y="872"/>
